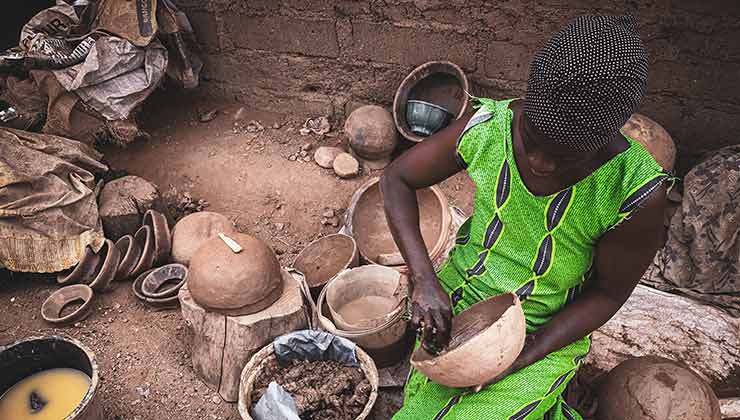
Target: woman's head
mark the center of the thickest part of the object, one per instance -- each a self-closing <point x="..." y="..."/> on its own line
<point x="584" y="84"/>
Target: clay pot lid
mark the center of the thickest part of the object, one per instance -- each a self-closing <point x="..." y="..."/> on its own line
<point x="53" y="306"/>
<point x="493" y="330"/>
<point x="84" y="272"/>
<point x="130" y="254"/>
<point x="372" y="132"/>
<point x="162" y="237"/>
<point x="165" y="302"/>
<point x="324" y="258"/>
<point x="653" y="137"/>
<point x="233" y="283"/>
<point x="438" y="82"/>
<point x="156" y="278"/>
<point x="195" y="229"/>
<point x="145" y="240"/>
<point x="654" y="388"/>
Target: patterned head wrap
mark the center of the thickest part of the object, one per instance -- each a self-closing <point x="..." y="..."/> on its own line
<point x="586" y="81"/>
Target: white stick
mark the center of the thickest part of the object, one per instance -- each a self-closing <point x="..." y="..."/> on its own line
<point x="235" y="247"/>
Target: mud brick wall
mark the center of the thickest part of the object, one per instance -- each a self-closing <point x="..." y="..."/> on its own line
<point x="326" y="57"/>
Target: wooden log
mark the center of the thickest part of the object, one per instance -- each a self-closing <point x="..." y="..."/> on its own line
<point x="675" y="327"/>
<point x="222" y="345"/>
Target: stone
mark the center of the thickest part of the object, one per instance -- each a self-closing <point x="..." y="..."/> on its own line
<point x="327" y="214"/>
<point x="325" y="155"/>
<point x="306" y="147"/>
<point x="306" y="158"/>
<point x="303" y="153"/>
<point x="123" y="202"/>
<point x="346" y="166"/>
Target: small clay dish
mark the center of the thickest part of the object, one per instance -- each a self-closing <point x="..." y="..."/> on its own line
<point x="85" y="270"/>
<point x="130" y="255"/>
<point x="167" y="302"/>
<point x="145" y="240"/>
<point x="105" y="272"/>
<point x="152" y="285"/>
<point x="157" y="222"/>
<point x="54" y="305"/>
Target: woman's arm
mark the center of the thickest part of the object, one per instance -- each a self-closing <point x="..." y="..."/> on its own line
<point x="428" y="163"/>
<point x="621" y="257"/>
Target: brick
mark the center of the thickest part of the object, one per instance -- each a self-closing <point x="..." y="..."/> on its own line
<point x="708" y="7"/>
<point x="408" y="46"/>
<point x="284" y="34"/>
<point x="706" y="79"/>
<point x="507" y="61"/>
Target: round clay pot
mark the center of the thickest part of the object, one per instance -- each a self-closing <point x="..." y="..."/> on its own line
<point x="130" y="256"/>
<point x="84" y="271"/>
<point x="106" y="270"/>
<point x="51" y="309"/>
<point x="654" y="388"/>
<point x="326" y="257"/>
<point x="235" y="283"/>
<point x="145" y="240"/>
<point x="162" y="237"/>
<point x="152" y="283"/>
<point x="652" y="137"/>
<point x="372" y="133"/>
<point x="491" y="332"/>
<point x="441" y="83"/>
<point x="167" y="302"/>
<point x="195" y="229"/>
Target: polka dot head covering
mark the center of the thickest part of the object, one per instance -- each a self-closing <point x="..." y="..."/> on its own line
<point x="586" y="81"/>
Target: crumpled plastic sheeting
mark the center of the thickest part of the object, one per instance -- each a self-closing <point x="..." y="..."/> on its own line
<point x="116" y="76"/>
<point x="276" y="404"/>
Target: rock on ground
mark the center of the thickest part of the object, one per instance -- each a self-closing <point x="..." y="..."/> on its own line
<point x="324" y="156"/>
<point x="346" y="166"/>
<point x="123" y="202"/>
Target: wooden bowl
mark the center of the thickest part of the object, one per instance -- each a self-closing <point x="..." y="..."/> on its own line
<point x="324" y="258"/>
<point x="145" y="240"/>
<point x="162" y="237"/>
<point x="51" y="309"/>
<point x="491" y="332"/>
<point x="438" y="82"/>
<point x="153" y="282"/>
<point x="130" y="255"/>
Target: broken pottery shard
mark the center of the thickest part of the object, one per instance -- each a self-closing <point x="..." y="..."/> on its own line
<point x="325" y="156"/>
<point x="345" y="166"/>
<point x="123" y="202"/>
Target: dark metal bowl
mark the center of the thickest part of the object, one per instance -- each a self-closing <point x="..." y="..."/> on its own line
<point x="424" y="118"/>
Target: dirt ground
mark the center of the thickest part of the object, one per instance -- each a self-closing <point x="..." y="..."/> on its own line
<point x="144" y="354"/>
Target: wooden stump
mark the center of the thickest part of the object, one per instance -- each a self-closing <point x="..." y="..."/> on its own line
<point x="675" y="327"/>
<point x="222" y="345"/>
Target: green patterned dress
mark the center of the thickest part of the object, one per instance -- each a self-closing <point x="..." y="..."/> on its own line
<point x="540" y="247"/>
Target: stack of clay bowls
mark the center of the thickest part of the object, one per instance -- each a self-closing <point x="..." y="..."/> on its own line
<point x="158" y="287"/>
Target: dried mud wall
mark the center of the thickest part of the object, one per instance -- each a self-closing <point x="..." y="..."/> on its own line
<point x="326" y="57"/>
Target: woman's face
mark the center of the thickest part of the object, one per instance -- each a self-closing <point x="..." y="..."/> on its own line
<point x="547" y="158"/>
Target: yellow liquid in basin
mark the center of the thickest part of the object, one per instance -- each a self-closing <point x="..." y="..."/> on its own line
<point x="48" y="395"/>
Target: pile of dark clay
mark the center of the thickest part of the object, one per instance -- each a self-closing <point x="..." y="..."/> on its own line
<point x="322" y="390"/>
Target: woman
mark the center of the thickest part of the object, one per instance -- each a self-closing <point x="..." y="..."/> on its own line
<point x="568" y="214"/>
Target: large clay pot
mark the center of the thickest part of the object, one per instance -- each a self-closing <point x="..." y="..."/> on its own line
<point x="652" y="137"/>
<point x="372" y="133"/>
<point x="195" y="229"/>
<point x="491" y="333"/>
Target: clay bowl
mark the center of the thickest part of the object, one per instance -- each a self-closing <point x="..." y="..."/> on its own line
<point x="152" y="285"/>
<point x="368" y="225"/>
<point x="491" y="332"/>
<point x="130" y="255"/>
<point x="425" y="118"/>
<point x="145" y="240"/>
<point x="109" y="257"/>
<point x="167" y="302"/>
<point x="438" y="82"/>
<point x="162" y="237"/>
<point x="326" y="257"/>
<point x="194" y="230"/>
<point x="53" y="306"/>
<point x="84" y="271"/>
<point x="652" y="137"/>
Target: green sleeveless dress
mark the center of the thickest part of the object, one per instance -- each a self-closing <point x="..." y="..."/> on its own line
<point x="541" y="248"/>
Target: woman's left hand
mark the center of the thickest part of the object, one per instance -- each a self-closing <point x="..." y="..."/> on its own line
<point x="525" y="358"/>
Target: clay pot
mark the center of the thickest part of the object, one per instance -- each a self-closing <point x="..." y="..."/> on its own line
<point x="491" y="333"/>
<point x="145" y="240"/>
<point x="130" y="255"/>
<point x="438" y="82"/>
<point x="84" y="271"/>
<point x="195" y="229"/>
<point x="24" y="358"/>
<point x="162" y="237"/>
<point x="324" y="258"/>
<point x="165" y="302"/>
<point x="235" y="283"/>
<point x="372" y="133"/>
<point x="654" y="388"/>
<point x="152" y="283"/>
<point x="51" y="309"/>
<point x="366" y="222"/>
<point x="109" y="257"/>
<point x="652" y="137"/>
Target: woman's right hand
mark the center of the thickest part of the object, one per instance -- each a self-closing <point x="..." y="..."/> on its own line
<point x="431" y="313"/>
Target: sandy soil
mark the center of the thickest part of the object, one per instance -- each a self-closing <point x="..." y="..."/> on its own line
<point x="144" y="354"/>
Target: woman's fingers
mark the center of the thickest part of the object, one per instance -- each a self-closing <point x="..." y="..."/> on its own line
<point x="442" y="323"/>
<point x="416" y="316"/>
